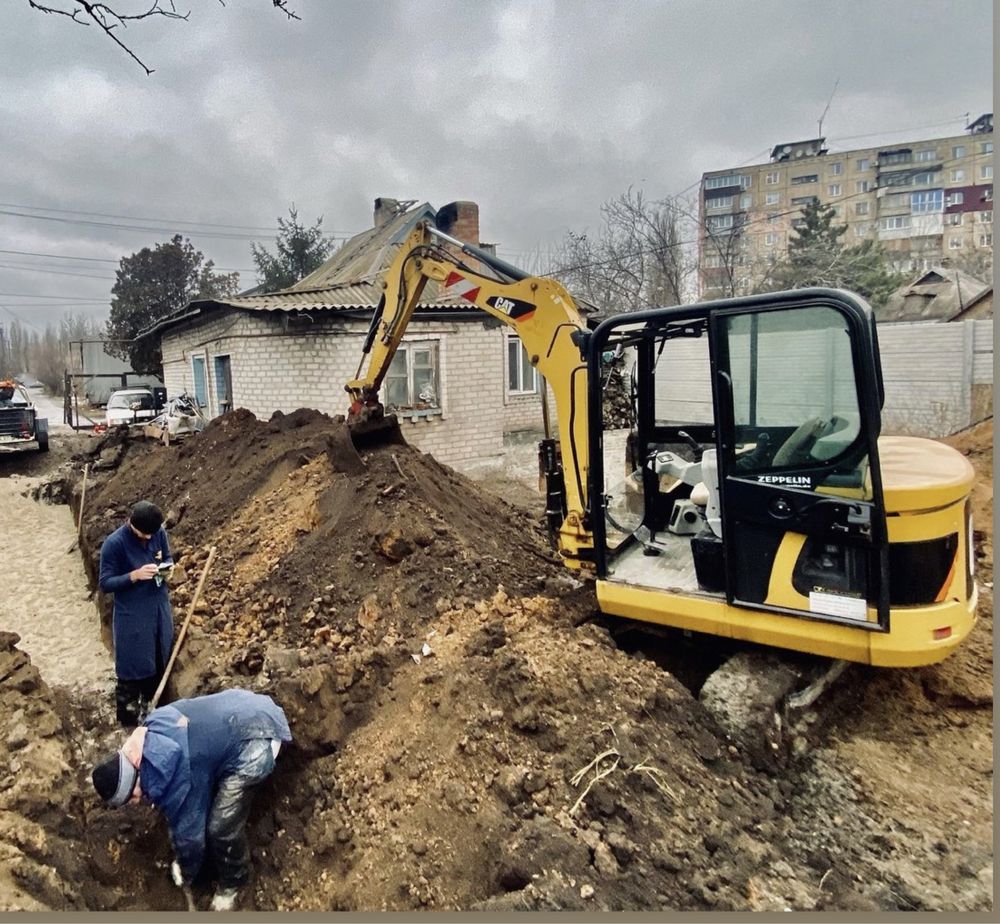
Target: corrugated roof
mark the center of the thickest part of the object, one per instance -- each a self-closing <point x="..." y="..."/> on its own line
<point x="936" y="295"/>
<point x="351" y="279"/>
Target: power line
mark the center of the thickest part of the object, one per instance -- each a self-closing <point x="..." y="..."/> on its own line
<point x="168" y="222"/>
<point x="62" y="256"/>
<point x="208" y="224"/>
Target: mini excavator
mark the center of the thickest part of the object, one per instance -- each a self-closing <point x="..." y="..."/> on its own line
<point x="758" y="501"/>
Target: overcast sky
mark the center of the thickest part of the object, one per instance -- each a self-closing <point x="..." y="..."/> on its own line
<point x="539" y="110"/>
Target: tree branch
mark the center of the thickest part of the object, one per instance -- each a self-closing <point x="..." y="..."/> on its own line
<point x="110" y="18"/>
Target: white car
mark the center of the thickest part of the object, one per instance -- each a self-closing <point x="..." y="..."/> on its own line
<point x="130" y="406"/>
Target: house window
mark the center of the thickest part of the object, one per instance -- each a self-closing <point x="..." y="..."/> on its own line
<point x="899" y="178"/>
<point x="986" y="147"/>
<point x="958" y="150"/>
<point x="719" y="222"/>
<point x="833" y="189"/>
<point x="894" y="223"/>
<point x="730" y="179"/>
<point x="956" y="198"/>
<point x="986" y="172"/>
<point x="931" y="201"/>
<point x="955" y="218"/>
<point x="926" y="178"/>
<point x="772" y="199"/>
<point x="864" y="163"/>
<point x="924" y="156"/>
<point x="957" y="175"/>
<point x="770" y="239"/>
<point x="836" y="169"/>
<point x="985" y="240"/>
<point x="862" y="228"/>
<point x="522" y="377"/>
<point x="772" y="178"/>
<point x="411" y="383"/>
<point x="863" y="186"/>
<point x="200" y="380"/>
<point x="861" y="208"/>
<point x="985" y="218"/>
<point x="712" y="261"/>
<point x="804" y="200"/>
<point x="722" y="202"/>
<point x="746" y="202"/>
<point x="805" y="178"/>
<point x="895" y="157"/>
<point x="954" y="243"/>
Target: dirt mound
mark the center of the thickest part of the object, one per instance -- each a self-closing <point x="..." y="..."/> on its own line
<point x="467" y="736"/>
<point x="443" y="688"/>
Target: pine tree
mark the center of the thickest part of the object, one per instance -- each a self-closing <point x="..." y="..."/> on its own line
<point x="300" y="250"/>
<point x="817" y="257"/>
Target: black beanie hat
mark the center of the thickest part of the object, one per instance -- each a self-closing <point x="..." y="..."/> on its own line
<point x="115" y="779"/>
<point x="146" y="517"/>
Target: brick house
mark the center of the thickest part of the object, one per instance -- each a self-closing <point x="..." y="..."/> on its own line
<point x="460" y="382"/>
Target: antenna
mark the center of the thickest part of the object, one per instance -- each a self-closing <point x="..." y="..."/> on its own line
<point x="819" y="133"/>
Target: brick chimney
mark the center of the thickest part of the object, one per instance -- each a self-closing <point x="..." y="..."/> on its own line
<point x="385" y="210"/>
<point x="461" y="220"/>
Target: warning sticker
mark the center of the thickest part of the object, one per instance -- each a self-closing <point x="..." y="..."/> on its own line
<point x="838" y="605"/>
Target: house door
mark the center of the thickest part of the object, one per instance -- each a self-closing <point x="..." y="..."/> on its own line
<point x="223" y="384"/>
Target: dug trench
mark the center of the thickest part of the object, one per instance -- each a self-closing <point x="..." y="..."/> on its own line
<point x="469" y="733"/>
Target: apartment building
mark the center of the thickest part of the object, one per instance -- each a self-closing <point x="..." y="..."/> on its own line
<point x="927" y="202"/>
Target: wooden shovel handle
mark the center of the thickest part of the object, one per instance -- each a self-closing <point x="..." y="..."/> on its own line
<point x="180" y="635"/>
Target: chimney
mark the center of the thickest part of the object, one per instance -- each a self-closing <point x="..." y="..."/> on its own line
<point x="385" y="210"/>
<point x="461" y="220"/>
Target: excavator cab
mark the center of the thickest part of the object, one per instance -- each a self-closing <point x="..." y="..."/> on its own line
<point x="753" y="504"/>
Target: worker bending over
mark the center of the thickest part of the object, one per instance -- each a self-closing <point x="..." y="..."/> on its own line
<point x="199" y="761"/>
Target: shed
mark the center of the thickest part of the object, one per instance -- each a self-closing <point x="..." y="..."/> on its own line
<point x="939" y="294"/>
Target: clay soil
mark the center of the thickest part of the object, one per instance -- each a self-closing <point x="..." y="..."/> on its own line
<point x="469" y="733"/>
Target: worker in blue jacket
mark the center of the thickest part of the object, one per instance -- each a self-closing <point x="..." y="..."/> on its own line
<point x="135" y="560"/>
<point x="200" y="761"/>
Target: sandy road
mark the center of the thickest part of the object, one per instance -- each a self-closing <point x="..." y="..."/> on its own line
<point x="44" y="596"/>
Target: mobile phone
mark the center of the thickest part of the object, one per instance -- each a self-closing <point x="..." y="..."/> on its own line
<point x="164" y="566"/>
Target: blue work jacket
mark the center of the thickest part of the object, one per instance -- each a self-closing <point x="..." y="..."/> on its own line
<point x="142" y="616"/>
<point x="190" y="746"/>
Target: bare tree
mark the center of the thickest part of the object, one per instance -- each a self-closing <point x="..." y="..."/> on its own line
<point x="640" y="258"/>
<point x="112" y="17"/>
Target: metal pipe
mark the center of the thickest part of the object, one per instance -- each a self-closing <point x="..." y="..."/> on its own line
<point x="501" y="266"/>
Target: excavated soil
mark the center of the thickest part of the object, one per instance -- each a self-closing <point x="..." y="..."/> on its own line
<point x="468" y="733"/>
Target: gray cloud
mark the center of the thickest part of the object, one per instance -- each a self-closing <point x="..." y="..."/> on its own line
<point x="539" y="111"/>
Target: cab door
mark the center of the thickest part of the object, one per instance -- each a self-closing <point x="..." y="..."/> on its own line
<point x="798" y="398"/>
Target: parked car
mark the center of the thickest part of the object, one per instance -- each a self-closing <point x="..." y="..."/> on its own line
<point x="130" y="406"/>
<point x="20" y="424"/>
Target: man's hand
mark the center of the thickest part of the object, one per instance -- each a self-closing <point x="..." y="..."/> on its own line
<point x="177" y="875"/>
<point x="145" y="573"/>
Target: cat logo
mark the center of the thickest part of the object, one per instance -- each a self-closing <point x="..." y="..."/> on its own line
<point x="514" y="308"/>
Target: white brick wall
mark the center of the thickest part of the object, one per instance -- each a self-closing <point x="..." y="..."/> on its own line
<point x="306" y="365"/>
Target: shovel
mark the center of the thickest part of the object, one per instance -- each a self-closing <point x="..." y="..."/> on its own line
<point x="79" y="519"/>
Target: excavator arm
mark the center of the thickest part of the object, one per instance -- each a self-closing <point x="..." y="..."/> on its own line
<point x="545" y="318"/>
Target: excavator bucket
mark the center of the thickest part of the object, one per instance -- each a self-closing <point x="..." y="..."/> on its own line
<point x="369" y="430"/>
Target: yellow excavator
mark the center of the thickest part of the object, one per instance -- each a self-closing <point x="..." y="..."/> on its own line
<point x="759" y="502"/>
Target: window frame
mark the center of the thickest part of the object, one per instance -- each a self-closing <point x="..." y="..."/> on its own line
<point x="407" y="348"/>
<point x="523" y="362"/>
